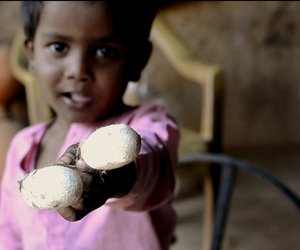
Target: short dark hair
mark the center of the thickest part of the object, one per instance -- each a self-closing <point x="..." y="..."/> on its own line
<point x="134" y="18"/>
<point x="30" y="13"/>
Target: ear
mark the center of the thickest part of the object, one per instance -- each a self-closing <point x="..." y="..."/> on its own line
<point x="140" y="61"/>
<point x="29" y="51"/>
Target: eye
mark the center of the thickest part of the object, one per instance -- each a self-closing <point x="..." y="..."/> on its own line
<point x="107" y="52"/>
<point x="58" y="48"/>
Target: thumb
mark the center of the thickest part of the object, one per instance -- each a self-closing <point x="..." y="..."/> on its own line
<point x="69" y="157"/>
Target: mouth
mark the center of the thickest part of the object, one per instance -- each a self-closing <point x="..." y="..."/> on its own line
<point x="76" y="100"/>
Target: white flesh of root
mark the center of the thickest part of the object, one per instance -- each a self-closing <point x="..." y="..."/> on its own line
<point x="110" y="147"/>
<point x="57" y="186"/>
<point x="51" y="187"/>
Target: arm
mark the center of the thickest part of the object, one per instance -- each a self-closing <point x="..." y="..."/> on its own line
<point x="149" y="180"/>
<point x="98" y="186"/>
<point x="156" y="162"/>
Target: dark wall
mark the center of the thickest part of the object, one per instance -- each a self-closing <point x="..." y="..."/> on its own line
<point x="257" y="44"/>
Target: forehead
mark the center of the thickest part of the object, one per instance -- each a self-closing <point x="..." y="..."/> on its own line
<point x="76" y="17"/>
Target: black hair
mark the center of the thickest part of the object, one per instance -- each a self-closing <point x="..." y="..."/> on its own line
<point x="30" y="13"/>
<point x="133" y="18"/>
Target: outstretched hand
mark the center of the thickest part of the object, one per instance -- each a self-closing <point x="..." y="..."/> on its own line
<point x="98" y="185"/>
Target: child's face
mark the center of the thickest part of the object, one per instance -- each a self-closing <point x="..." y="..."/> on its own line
<point x="78" y="59"/>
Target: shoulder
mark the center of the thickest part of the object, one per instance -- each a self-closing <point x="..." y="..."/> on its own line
<point x="154" y="120"/>
<point x="150" y="112"/>
<point x="152" y="108"/>
<point x="21" y="143"/>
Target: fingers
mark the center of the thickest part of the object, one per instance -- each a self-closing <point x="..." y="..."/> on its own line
<point x="89" y="202"/>
<point x="69" y="157"/>
<point x="91" y="199"/>
<point x="68" y="213"/>
<point x="72" y="214"/>
<point x="86" y="179"/>
<point x="82" y="166"/>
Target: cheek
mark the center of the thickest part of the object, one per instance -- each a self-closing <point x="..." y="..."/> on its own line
<point x="47" y="74"/>
<point x="114" y="77"/>
<point x="113" y="86"/>
<point x="47" y="78"/>
<point x="45" y="69"/>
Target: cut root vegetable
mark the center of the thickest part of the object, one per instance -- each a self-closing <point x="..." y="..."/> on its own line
<point x="110" y="147"/>
<point x="52" y="187"/>
<point x="58" y="186"/>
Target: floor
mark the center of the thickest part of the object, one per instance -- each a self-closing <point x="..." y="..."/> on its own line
<point x="260" y="217"/>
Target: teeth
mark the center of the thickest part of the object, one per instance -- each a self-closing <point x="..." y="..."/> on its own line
<point x="80" y="98"/>
<point x="76" y="99"/>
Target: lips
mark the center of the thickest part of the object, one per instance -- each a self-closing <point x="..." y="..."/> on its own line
<point x="76" y="99"/>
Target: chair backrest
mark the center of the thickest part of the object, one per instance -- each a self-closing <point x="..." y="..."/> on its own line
<point x="207" y="78"/>
<point x="38" y="109"/>
<point x="200" y="121"/>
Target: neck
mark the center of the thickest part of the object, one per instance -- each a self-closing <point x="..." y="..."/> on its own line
<point x="60" y="125"/>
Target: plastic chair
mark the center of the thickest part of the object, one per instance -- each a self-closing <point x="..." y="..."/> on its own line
<point x="10" y="121"/>
<point x="206" y="150"/>
<point x="38" y="109"/>
<point x="207" y="136"/>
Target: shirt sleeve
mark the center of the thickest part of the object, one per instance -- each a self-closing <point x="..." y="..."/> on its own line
<point x="156" y="162"/>
<point x="9" y="238"/>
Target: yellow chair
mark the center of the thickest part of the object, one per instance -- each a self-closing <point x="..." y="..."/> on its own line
<point x="38" y="109"/>
<point x="10" y="121"/>
<point x="208" y="136"/>
<point x="203" y="146"/>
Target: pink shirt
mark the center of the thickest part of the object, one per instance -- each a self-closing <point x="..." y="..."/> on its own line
<point x="141" y="220"/>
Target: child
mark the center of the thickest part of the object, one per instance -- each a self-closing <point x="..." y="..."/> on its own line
<point x="83" y="54"/>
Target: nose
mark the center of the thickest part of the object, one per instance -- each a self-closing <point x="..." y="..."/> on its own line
<point x="78" y="68"/>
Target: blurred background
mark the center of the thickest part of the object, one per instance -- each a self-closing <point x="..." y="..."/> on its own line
<point x="256" y="44"/>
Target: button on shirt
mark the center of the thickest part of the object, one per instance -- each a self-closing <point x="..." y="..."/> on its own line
<point x="141" y="220"/>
